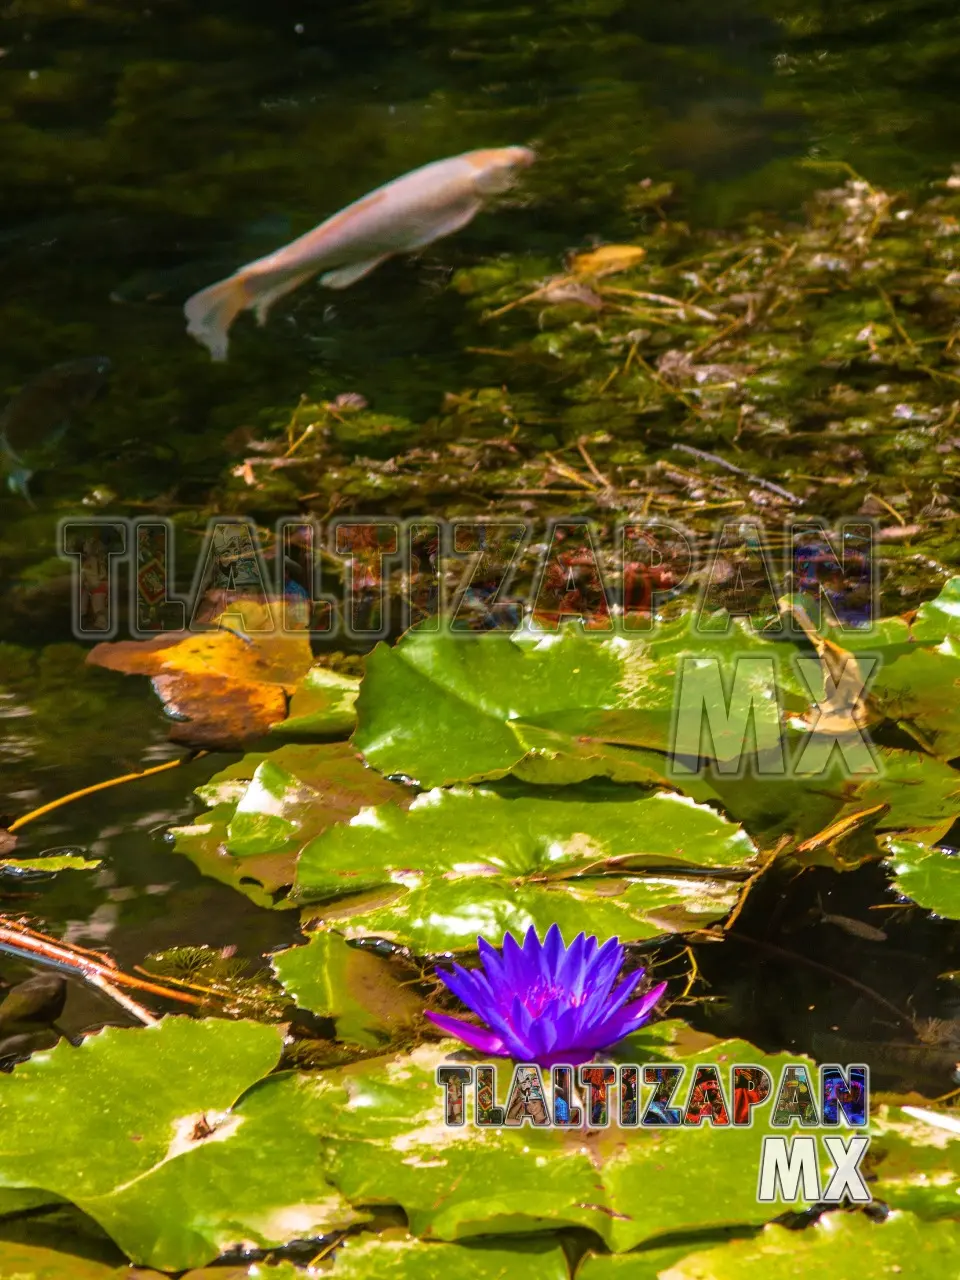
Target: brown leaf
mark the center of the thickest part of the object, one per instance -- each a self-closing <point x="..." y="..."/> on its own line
<point x="607" y="260"/>
<point x="223" y="687"/>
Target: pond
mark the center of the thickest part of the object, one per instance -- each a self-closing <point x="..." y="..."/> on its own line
<point x="724" y="297"/>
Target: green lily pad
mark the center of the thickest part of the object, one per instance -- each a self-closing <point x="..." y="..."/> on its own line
<point x="360" y="991"/>
<point x="135" y="1127"/>
<point x="471" y="861"/>
<point x="384" y="1142"/>
<point x="648" y="1263"/>
<point x="929" y="877"/>
<point x="838" y="1244"/>
<point x="323" y="706"/>
<point x="444" y="708"/>
<point x="917" y="1165"/>
<point x="918" y="792"/>
<point x="33" y="1262"/>
<point x="257" y="1271"/>
<point x="58" y="862"/>
<point x="921" y="691"/>
<point x="266" y="806"/>
<point x="939" y="618"/>
<point x="395" y="1255"/>
<point x="449" y="916"/>
<point x="14" y="1200"/>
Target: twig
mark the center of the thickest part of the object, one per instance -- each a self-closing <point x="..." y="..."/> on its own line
<point x="663" y="298"/>
<point x="569" y="472"/>
<point x="597" y="475"/>
<point x="100" y="786"/>
<point x="730" y="466"/>
<point x="765" y="863"/>
<point x="19" y="940"/>
<point x="124" y="1001"/>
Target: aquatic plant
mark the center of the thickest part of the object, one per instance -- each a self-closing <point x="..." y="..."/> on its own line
<point x="546" y="1002"/>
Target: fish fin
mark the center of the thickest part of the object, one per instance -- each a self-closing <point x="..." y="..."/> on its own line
<point x="212" y="311"/>
<point x="17" y="482"/>
<point x="265" y="298"/>
<point x="343" y="277"/>
<point x="448" y="226"/>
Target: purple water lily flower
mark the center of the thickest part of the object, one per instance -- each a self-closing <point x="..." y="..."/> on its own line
<point x="545" y="1002"/>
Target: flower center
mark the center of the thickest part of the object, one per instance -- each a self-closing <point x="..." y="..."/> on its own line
<point x="543" y="993"/>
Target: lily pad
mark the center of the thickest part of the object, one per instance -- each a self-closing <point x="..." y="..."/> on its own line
<point x="395" y="1255"/>
<point x="56" y="862"/>
<point x="837" y="1244"/>
<point x="177" y="1177"/>
<point x="471" y="861"/>
<point x="360" y="991"/>
<point x="930" y="877"/>
<point x="917" y="1165"/>
<point x="323" y="706"/>
<point x="267" y="806"/>
<point x="444" y="708"/>
<point x="384" y="1142"/>
<point x="940" y="617"/>
<point x="648" y="1263"/>
<point x="33" y="1262"/>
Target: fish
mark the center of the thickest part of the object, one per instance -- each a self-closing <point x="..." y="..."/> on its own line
<point x="38" y="414"/>
<point x="405" y="215"/>
<point x="856" y="928"/>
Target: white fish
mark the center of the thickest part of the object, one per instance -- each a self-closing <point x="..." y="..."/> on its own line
<point x="400" y="217"/>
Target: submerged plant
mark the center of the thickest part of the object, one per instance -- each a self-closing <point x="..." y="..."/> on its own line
<point x="546" y="1002"/>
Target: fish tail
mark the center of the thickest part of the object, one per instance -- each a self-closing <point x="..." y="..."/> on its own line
<point x="212" y="311"/>
<point x="18" y="482"/>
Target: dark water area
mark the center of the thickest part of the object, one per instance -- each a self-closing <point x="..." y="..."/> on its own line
<point x="149" y="151"/>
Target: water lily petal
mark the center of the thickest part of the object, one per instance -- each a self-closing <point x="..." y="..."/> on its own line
<point x="476" y="1037"/>
<point x="472" y="988"/>
<point x="553" y="951"/>
<point x="628" y="1020"/>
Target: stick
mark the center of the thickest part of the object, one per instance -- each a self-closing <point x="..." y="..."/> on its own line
<point x="100" y="786"/>
<point x="125" y="1002"/>
<point x="757" y="480"/>
<point x="20" y="941"/>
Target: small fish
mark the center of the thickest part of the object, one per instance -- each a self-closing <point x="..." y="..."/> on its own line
<point x="36" y="417"/>
<point x="856" y="928"/>
<point x="402" y="216"/>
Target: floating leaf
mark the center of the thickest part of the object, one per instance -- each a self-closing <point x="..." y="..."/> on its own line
<point x="475" y="861"/>
<point x="930" y="877"/>
<point x="395" y="1255"/>
<point x="225" y="686"/>
<point x="921" y="691"/>
<point x="267" y="806"/>
<point x="938" y="618"/>
<point x="135" y="1127"/>
<point x="323" y="706"/>
<point x="917" y="1165"/>
<point x="443" y="708"/>
<point x="360" y="991"/>
<point x="34" y="1262"/>
<point x="385" y="1142"/>
<point x="47" y="863"/>
<point x="837" y="1244"/>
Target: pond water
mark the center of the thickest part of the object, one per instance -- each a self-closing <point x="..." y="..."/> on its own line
<point x="148" y="151"/>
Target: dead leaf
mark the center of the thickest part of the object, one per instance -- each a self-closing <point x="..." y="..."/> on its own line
<point x="607" y="260"/>
<point x="223" y="686"/>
